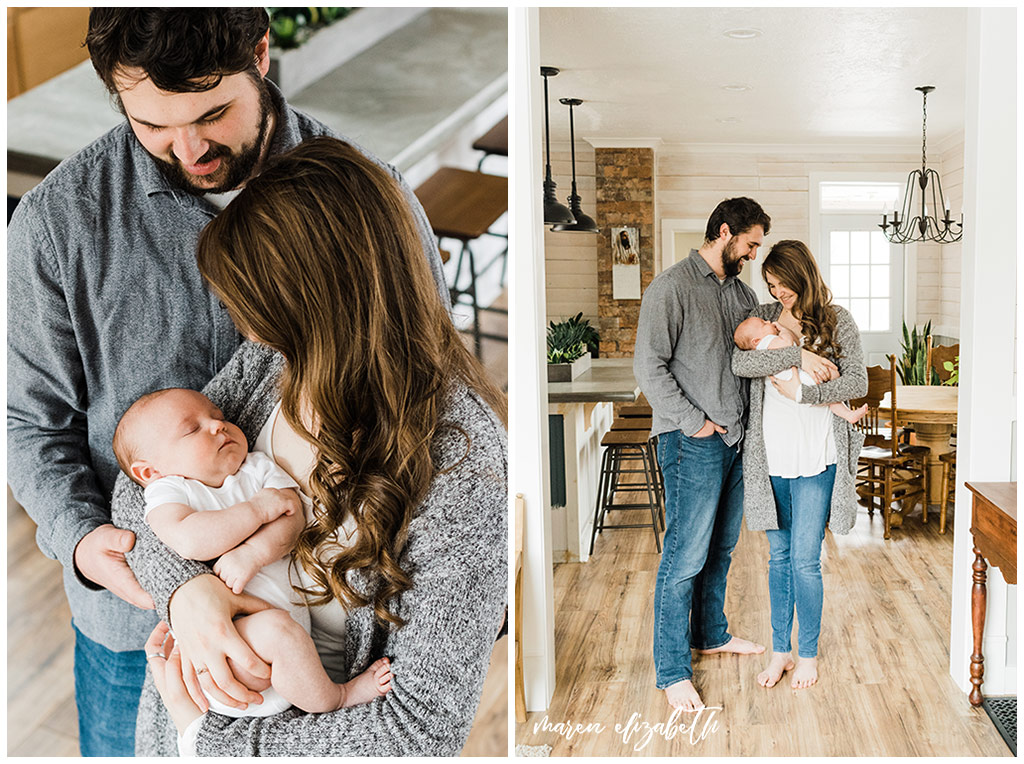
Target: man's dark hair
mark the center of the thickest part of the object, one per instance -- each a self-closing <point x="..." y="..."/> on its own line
<point x="740" y="214"/>
<point x="184" y="50"/>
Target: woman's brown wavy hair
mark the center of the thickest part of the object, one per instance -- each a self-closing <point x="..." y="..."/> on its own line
<point x="319" y="258"/>
<point x="792" y="263"/>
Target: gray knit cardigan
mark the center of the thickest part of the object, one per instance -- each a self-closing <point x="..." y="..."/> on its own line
<point x="758" y="498"/>
<point x="456" y="555"/>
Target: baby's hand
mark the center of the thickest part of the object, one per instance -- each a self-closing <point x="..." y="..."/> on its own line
<point x="237" y="566"/>
<point x="274" y="502"/>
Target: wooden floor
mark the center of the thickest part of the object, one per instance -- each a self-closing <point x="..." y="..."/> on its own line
<point x="884" y="690"/>
<point x="41" y="715"/>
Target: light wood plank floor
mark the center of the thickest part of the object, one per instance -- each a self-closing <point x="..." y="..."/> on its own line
<point x="884" y="686"/>
<point x="41" y="715"/>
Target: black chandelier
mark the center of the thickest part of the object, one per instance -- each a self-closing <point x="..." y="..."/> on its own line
<point x="584" y="223"/>
<point x="553" y="211"/>
<point x="922" y="226"/>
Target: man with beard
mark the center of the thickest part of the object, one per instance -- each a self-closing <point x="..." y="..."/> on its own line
<point x="683" y="364"/>
<point x="105" y="303"/>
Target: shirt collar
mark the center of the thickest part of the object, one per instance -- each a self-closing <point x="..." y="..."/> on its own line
<point x="286" y="136"/>
<point x="704" y="269"/>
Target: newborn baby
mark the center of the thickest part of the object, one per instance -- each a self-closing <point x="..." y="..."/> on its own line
<point x="208" y="498"/>
<point x="757" y="334"/>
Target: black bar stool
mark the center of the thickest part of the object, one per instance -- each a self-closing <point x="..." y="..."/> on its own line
<point x="462" y="205"/>
<point x="494" y="142"/>
<point x="621" y="446"/>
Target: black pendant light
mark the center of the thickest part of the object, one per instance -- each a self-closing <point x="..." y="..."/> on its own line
<point x="919" y="223"/>
<point x="584" y="223"/>
<point x="553" y="211"/>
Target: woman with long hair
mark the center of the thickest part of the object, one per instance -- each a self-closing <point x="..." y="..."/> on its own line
<point x="356" y="382"/>
<point x="799" y="458"/>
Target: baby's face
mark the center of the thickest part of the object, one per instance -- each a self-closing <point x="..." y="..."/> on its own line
<point x="184" y="434"/>
<point x="756" y="329"/>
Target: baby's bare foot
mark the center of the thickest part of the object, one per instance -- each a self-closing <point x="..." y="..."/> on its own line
<point x="683" y="695"/>
<point x="237" y="567"/>
<point x="855" y="416"/>
<point x="371" y="684"/>
<point x="806" y="673"/>
<point x="777" y="666"/>
<point x="738" y="646"/>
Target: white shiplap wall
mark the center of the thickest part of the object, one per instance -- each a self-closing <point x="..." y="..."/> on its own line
<point x="570" y="259"/>
<point x="691" y="179"/>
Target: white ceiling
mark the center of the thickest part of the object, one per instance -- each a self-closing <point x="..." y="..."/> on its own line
<point x="817" y="75"/>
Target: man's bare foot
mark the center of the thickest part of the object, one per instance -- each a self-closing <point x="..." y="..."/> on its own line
<point x="806" y="673"/>
<point x="683" y="695"/>
<point x="738" y="646"/>
<point x="777" y="666"/>
<point x="371" y="684"/>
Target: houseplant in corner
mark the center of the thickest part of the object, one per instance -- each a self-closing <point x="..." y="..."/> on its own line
<point x="912" y="366"/>
<point x="569" y="343"/>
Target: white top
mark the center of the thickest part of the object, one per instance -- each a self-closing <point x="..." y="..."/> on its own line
<point x="798" y="438"/>
<point x="257" y="472"/>
<point x="328" y="620"/>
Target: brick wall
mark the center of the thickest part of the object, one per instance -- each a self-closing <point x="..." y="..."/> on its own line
<point x="625" y="197"/>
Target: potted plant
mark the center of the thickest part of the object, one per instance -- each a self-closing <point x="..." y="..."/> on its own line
<point x="568" y="345"/>
<point x="954" y="372"/>
<point x="912" y="367"/>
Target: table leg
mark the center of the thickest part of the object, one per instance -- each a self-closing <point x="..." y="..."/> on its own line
<point x="978" y="622"/>
<point x="936" y="437"/>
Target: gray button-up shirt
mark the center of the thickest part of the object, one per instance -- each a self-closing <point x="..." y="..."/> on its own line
<point x="683" y="355"/>
<point x="105" y="303"/>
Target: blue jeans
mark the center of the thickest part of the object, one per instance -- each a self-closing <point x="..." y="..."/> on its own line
<point x="107" y="689"/>
<point x="794" y="571"/>
<point x="703" y="512"/>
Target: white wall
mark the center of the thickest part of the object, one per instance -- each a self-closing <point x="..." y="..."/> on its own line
<point x="570" y="259"/>
<point x="528" y="426"/>
<point x="987" y="415"/>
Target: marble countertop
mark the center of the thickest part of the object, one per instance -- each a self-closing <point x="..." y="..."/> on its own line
<point x="609" y="379"/>
<point x="399" y="99"/>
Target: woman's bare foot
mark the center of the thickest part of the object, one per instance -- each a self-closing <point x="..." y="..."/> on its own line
<point x="738" y="646"/>
<point x="777" y="666"/>
<point x="683" y="695"/>
<point x="371" y="684"/>
<point x="806" y="673"/>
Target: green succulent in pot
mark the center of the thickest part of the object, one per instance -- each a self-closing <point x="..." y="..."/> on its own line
<point x="913" y="365"/>
<point x="571" y="339"/>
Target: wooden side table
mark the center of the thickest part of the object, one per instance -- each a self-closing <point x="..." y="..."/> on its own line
<point x="994" y="527"/>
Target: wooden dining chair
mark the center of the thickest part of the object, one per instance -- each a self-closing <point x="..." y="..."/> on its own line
<point x="948" y="486"/>
<point x="939" y="356"/>
<point x="888" y="471"/>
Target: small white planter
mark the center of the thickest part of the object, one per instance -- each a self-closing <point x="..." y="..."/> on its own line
<point x="567" y="372"/>
<point x="328" y="48"/>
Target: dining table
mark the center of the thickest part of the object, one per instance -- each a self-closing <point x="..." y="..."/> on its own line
<point x="931" y="410"/>
<point x="580" y="412"/>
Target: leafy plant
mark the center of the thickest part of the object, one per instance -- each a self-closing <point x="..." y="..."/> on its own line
<point x="570" y="339"/>
<point x="566" y="355"/>
<point x="954" y="371"/>
<point x="913" y="365"/>
<point x="292" y="26"/>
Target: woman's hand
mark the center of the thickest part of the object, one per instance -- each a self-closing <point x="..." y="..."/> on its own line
<point x="164" y="659"/>
<point x="788" y="387"/>
<point x="201" y="612"/>
<point x="820" y="368"/>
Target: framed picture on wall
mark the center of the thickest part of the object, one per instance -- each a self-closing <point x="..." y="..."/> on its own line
<point x="625" y="263"/>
